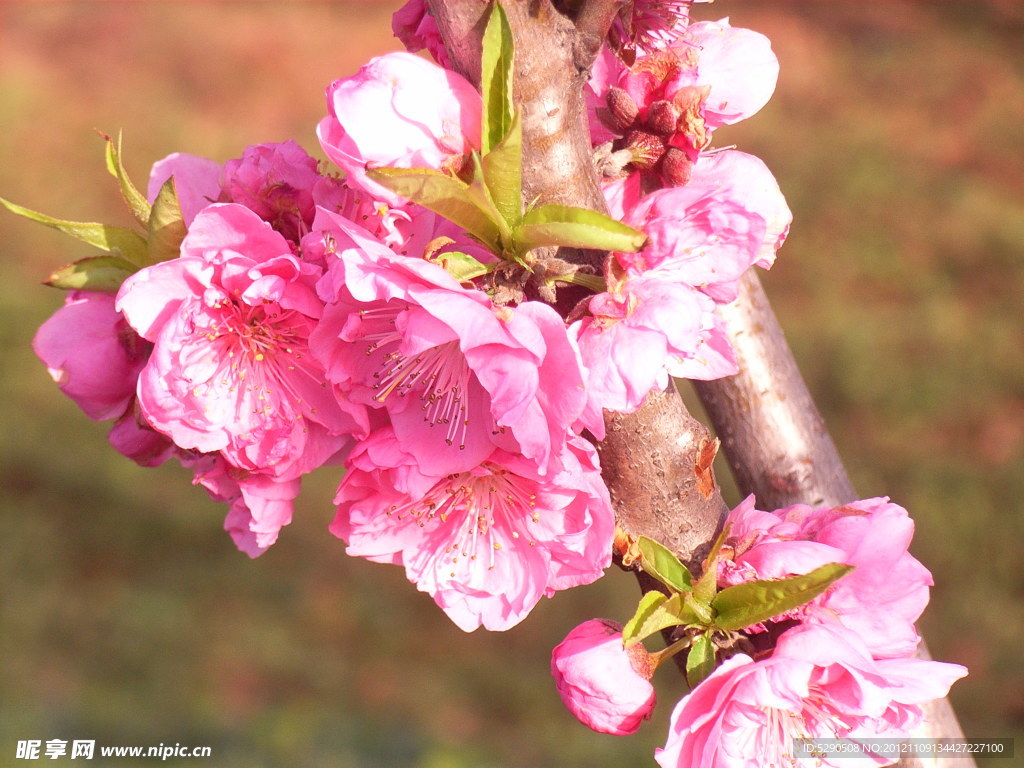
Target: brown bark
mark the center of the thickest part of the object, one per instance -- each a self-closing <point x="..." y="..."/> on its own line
<point x="780" y="450"/>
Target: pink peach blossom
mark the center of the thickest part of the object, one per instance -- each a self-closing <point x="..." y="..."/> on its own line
<point x="416" y="28"/>
<point x="457" y="375"/>
<point x="880" y="600"/>
<point x="401" y="111"/>
<point x="698" y="235"/>
<point x="92" y="353"/>
<point x="820" y="682"/>
<point x="486" y="542"/>
<point x="605" y="685"/>
<point x="631" y="335"/>
<point x="230" y="370"/>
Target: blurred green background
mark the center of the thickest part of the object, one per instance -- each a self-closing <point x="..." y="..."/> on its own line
<point x="127" y="616"/>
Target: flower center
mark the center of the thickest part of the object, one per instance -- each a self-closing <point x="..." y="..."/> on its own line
<point x="439" y="376"/>
<point x="485" y="511"/>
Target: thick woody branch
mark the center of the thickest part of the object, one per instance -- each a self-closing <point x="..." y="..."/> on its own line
<point x="650" y="459"/>
<point x="779" y="449"/>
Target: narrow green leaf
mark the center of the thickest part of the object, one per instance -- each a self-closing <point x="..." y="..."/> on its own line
<point x="480" y="195"/>
<point x="503" y="173"/>
<point x="706" y="587"/>
<point x="135" y="200"/>
<point x="575" y="227"/>
<point x="444" y="195"/>
<point x="695" y="612"/>
<point x="700" y="662"/>
<point x="756" y="601"/>
<point x="662" y="564"/>
<point x="462" y="266"/>
<point x="654" y="613"/>
<point x="103" y="274"/>
<point x="166" y="225"/>
<point x="127" y="243"/>
<point x="496" y="66"/>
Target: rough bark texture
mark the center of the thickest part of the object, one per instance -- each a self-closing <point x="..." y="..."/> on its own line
<point x="779" y="449"/>
<point x="649" y="458"/>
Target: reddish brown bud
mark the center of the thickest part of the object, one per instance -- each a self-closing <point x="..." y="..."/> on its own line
<point x="662" y="118"/>
<point x="676" y="167"/>
<point x="622" y="110"/>
<point x="646" y="148"/>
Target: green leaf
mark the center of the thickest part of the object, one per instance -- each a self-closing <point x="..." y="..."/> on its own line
<point x="695" y="612"/>
<point x="131" y="245"/>
<point x="700" y="662"/>
<point x="503" y="173"/>
<point x="575" y="227"/>
<point x="166" y="225"/>
<point x="662" y="564"/>
<point x="655" y="612"/>
<point x="756" y="601"/>
<point x="462" y="266"/>
<point x="480" y="195"/>
<point x="444" y="195"/>
<point x="103" y="274"/>
<point x="707" y="585"/>
<point x="496" y="65"/>
<point x="136" y="201"/>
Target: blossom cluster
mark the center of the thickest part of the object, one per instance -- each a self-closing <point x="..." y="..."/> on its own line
<point x="842" y="665"/>
<point x="310" y="318"/>
<point x="309" y="314"/>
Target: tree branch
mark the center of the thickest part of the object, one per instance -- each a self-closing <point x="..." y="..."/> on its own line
<point x="780" y="450"/>
<point x="649" y="458"/>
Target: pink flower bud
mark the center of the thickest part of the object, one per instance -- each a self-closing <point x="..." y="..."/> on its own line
<point x="605" y="685"/>
<point x="401" y="111"/>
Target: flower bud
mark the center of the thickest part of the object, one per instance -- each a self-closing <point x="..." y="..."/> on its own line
<point x="676" y="167"/>
<point x="662" y="117"/>
<point x="604" y="684"/>
<point x="622" y="108"/>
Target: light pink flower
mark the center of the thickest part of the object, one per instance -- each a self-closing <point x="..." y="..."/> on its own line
<point x="880" y="600"/>
<point x="699" y="235"/>
<point x="631" y="335"/>
<point x="231" y="370"/>
<point x="486" y="543"/>
<point x="820" y="682"/>
<point x="92" y="353"/>
<point x="604" y="684"/>
<point x="457" y="374"/>
<point x="743" y="177"/>
<point x="402" y="111"/>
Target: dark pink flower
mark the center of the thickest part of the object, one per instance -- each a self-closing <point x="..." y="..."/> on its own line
<point x="457" y="375"/>
<point x="92" y="353"/>
<point x="230" y="370"/>
<point x="402" y="111"/>
<point x="880" y="600"/>
<point x="259" y="504"/>
<point x="819" y="683"/>
<point x="416" y="28"/>
<point x="604" y="684"/>
<point x="276" y="182"/>
<point x="486" y="542"/>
